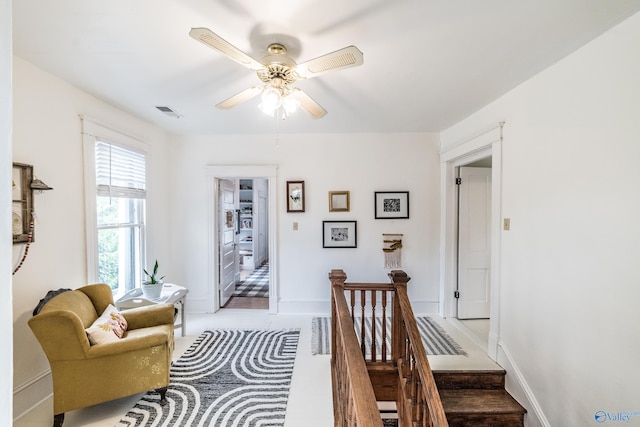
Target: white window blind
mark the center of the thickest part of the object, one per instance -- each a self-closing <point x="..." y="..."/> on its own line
<point x="120" y="172"/>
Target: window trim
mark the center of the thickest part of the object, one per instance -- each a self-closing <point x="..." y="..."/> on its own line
<point x="91" y="131"/>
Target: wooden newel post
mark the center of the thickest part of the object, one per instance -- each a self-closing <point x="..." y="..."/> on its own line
<point x="337" y="278"/>
<point x="398" y="333"/>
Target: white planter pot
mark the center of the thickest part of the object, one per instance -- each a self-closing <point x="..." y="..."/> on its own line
<point x="152" y="291"/>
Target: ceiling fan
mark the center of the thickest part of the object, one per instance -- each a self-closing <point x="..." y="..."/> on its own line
<point x="278" y="72"/>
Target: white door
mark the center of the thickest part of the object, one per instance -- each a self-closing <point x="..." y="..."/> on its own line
<point x="228" y="251"/>
<point x="474" y="243"/>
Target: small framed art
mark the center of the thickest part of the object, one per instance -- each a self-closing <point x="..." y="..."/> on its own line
<point x="295" y="196"/>
<point x="339" y="234"/>
<point x="338" y="201"/>
<point x="391" y="205"/>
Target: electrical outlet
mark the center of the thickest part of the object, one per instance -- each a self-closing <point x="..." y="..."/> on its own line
<point x="295" y="226"/>
<point x="507" y="224"/>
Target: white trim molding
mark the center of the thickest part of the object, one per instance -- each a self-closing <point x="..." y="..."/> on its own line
<point x="517" y="386"/>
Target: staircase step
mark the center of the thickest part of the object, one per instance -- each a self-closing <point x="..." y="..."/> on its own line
<point x="481" y="408"/>
<point x="455" y="380"/>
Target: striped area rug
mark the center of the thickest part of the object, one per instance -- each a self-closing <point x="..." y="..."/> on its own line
<point x="255" y="284"/>
<point x="435" y="340"/>
<point x="226" y="378"/>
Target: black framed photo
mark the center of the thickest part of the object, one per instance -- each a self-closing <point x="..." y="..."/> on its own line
<point x="339" y="234"/>
<point x="295" y="196"/>
<point x="392" y="204"/>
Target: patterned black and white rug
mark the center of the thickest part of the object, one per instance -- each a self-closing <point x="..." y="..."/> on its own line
<point x="226" y="378"/>
<point x="255" y="284"/>
<point x="435" y="340"/>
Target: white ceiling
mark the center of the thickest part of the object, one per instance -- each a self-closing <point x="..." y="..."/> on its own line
<point x="427" y="63"/>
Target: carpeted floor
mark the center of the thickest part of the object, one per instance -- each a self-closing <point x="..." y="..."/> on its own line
<point x="226" y="378"/>
<point x="435" y="340"/>
<point x="255" y="284"/>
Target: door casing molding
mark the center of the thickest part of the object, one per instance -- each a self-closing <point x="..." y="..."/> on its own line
<point x="215" y="172"/>
<point x="486" y="144"/>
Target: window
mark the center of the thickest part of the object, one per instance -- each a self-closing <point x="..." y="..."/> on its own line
<point x="120" y="205"/>
<point x="116" y="198"/>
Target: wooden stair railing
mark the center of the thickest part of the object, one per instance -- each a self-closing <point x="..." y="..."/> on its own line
<point x="418" y="401"/>
<point x="401" y="372"/>
<point x="354" y="401"/>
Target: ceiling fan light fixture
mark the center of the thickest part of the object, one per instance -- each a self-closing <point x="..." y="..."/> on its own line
<point x="268" y="111"/>
<point x="271" y="97"/>
<point x="290" y="105"/>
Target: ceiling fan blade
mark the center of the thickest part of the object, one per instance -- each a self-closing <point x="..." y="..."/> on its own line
<point x="349" y="56"/>
<point x="308" y="104"/>
<point x="211" y="39"/>
<point x="243" y="96"/>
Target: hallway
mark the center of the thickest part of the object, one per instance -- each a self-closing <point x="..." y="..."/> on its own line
<point x="310" y="399"/>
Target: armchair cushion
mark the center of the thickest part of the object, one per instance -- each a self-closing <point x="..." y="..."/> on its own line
<point x="110" y="326"/>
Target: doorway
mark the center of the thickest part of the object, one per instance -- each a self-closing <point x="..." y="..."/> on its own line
<point x="252" y="219"/>
<point x="251" y="287"/>
<point x="487" y="145"/>
<point x="473" y="292"/>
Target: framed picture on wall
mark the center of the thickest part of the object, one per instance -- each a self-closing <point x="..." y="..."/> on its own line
<point x="339" y="234"/>
<point x="391" y="204"/>
<point x="338" y="201"/>
<point x="295" y="196"/>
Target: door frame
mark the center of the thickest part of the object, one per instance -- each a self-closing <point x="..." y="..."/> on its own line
<point x="486" y="144"/>
<point x="215" y="172"/>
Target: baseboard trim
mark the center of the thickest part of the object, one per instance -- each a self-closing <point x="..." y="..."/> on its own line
<point x="517" y="385"/>
<point x="32" y="393"/>
<point x="314" y="307"/>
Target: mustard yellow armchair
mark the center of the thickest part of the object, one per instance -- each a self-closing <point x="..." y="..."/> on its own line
<point x="85" y="374"/>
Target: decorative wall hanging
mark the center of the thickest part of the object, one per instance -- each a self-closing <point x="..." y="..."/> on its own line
<point x="295" y="196"/>
<point x="392" y="204"/>
<point x="23" y="185"/>
<point x="392" y="248"/>
<point x="339" y="234"/>
<point x="21" y="201"/>
<point x="338" y="201"/>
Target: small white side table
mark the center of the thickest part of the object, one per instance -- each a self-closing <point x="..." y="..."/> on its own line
<point x="171" y="293"/>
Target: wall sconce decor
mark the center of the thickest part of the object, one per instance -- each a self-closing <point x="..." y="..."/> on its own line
<point x="392" y="248"/>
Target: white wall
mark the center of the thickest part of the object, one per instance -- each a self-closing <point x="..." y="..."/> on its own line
<point x="46" y="134"/>
<point x="359" y="163"/>
<point x="569" y="298"/>
<point x="6" y="311"/>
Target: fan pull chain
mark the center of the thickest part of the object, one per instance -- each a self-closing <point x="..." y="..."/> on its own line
<point x="276" y="118"/>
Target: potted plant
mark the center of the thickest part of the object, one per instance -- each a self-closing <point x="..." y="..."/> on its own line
<point x="152" y="288"/>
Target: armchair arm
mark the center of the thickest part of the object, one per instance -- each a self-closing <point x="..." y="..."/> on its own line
<point x="60" y="334"/>
<point x="150" y="315"/>
<point x="153" y="338"/>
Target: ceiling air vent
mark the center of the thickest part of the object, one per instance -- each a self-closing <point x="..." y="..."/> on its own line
<point x="169" y="112"/>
